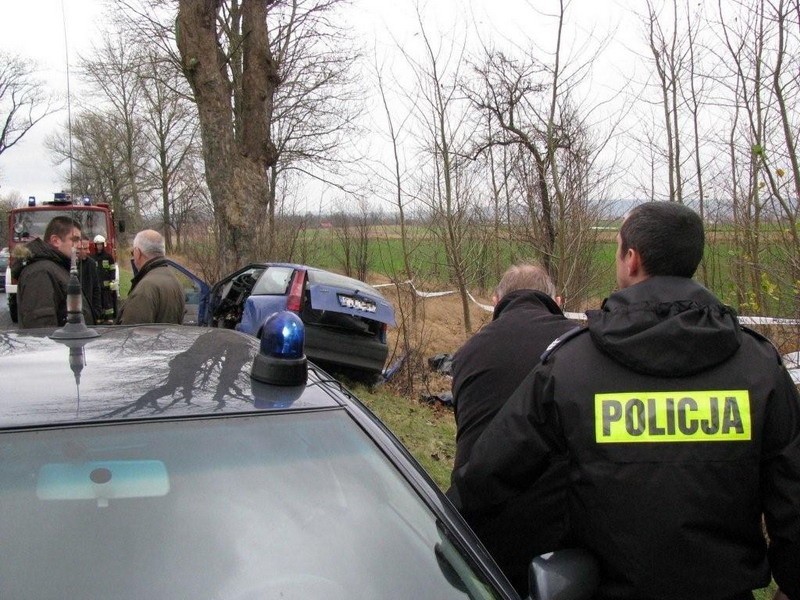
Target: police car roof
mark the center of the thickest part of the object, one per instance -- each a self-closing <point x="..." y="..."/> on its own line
<point x="141" y="372"/>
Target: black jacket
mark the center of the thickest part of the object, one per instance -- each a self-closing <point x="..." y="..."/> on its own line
<point x="681" y="429"/>
<point x="486" y="370"/>
<point x="90" y="283"/>
<point x="494" y="361"/>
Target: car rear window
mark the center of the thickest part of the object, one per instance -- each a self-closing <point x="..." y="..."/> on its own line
<point x="341" y="281"/>
<point x="274" y="281"/>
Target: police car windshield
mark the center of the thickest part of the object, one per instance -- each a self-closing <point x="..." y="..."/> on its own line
<point x="285" y="505"/>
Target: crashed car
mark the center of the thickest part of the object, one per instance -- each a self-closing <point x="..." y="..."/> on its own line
<point x="346" y="320"/>
<point x="207" y="464"/>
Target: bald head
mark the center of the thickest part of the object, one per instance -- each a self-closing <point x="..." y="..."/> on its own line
<point x="524" y="277"/>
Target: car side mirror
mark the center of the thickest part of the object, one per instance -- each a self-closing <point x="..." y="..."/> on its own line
<point x="570" y="574"/>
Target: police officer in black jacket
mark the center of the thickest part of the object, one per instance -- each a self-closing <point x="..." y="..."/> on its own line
<point x="681" y="429"/>
<point x="486" y="370"/>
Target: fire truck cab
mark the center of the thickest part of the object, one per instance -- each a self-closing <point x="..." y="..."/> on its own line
<point x="30" y="222"/>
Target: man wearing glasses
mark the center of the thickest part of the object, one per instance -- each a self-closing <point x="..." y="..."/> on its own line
<point x="43" y="276"/>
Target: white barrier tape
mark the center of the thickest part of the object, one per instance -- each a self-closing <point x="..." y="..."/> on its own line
<point x="575" y="316"/>
<point x="582" y="316"/>
<point x="486" y="307"/>
<point x="767" y="321"/>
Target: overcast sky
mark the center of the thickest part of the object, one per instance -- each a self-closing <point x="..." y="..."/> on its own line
<point x="36" y="30"/>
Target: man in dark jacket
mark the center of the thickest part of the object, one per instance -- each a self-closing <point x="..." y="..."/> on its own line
<point x="42" y="268"/>
<point x="156" y="295"/>
<point x="90" y="283"/>
<point x="681" y="429"/>
<point x="486" y="370"/>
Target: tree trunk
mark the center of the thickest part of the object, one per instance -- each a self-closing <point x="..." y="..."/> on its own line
<point x="236" y="173"/>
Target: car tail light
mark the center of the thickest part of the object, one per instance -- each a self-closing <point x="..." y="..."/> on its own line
<point x="295" y="300"/>
<point x="382" y="333"/>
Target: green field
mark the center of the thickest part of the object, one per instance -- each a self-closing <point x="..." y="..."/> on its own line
<point x="763" y="284"/>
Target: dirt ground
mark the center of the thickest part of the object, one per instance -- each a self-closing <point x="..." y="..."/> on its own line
<point x="440" y="321"/>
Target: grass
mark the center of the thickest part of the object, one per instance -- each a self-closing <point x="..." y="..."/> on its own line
<point x="428" y="431"/>
<point x="125" y="278"/>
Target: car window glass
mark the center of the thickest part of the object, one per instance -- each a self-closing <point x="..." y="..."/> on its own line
<point x="191" y="294"/>
<point x="274" y="280"/>
<point x="31" y="224"/>
<point x="286" y="505"/>
<point x="334" y="279"/>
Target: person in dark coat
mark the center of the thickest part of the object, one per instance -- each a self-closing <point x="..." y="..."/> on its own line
<point x="42" y="269"/>
<point x="156" y="295"/>
<point x="486" y="370"/>
<point x="681" y="428"/>
<point x="90" y="282"/>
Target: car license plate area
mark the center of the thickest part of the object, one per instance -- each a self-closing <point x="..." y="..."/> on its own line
<point x="354" y="303"/>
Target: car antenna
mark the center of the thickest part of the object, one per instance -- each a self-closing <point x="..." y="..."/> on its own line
<point x="69" y="95"/>
<point x="75" y="327"/>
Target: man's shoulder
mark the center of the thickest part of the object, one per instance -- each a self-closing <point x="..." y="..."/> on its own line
<point x="766" y="345"/>
<point x="566" y="341"/>
<point x="41" y="264"/>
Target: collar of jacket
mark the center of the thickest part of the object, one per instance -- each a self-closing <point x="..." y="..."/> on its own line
<point x="37" y="250"/>
<point x="151" y="264"/>
<point x="526" y="297"/>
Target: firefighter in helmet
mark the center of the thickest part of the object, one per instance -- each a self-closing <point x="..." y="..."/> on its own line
<point x="107" y="274"/>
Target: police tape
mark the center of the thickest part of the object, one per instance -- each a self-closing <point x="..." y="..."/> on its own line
<point x="575" y="316"/>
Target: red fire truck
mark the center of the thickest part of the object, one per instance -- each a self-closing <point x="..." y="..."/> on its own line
<point x="29" y="222"/>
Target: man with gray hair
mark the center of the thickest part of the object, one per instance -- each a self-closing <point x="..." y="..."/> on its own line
<point x="486" y="370"/>
<point x="156" y="295"/>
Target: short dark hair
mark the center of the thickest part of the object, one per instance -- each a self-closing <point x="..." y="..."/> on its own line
<point x="61" y="227"/>
<point x="668" y="236"/>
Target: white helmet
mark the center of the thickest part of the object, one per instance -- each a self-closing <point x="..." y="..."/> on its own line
<point x="99" y="239"/>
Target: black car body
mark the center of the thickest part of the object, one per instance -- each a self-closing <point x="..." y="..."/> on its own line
<point x="147" y="462"/>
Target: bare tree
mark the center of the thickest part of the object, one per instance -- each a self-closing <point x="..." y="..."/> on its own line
<point x="446" y="191"/>
<point x="170" y="128"/>
<point x="531" y="106"/>
<point x="96" y="150"/>
<point x="668" y="58"/>
<point x="112" y="73"/>
<point x="23" y="99"/>
<point x="318" y="99"/>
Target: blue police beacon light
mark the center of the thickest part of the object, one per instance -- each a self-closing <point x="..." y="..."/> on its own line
<point x="281" y="360"/>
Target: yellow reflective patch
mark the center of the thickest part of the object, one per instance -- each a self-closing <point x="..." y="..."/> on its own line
<point x="695" y="416"/>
